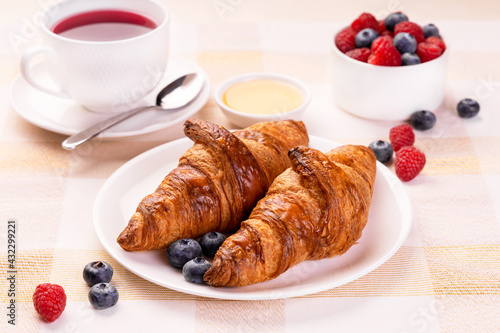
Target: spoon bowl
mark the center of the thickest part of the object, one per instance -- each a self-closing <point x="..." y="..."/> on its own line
<point x="180" y="92"/>
<point x="176" y="94"/>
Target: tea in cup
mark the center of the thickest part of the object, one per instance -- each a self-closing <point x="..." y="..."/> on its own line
<point x="106" y="55"/>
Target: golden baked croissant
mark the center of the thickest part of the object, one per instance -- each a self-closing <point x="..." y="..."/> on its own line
<point x="216" y="183"/>
<point x="316" y="209"/>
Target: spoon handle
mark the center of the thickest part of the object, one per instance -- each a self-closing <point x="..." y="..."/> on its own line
<point x="77" y="139"/>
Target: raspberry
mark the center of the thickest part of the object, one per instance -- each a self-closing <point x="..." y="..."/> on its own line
<point x="411" y="28"/>
<point x="345" y="40"/>
<point x="409" y="163"/>
<point x="384" y="53"/>
<point x="381" y="26"/>
<point x="401" y="135"/>
<point x="436" y="41"/>
<point x="427" y="52"/>
<point x="49" y="301"/>
<point x="383" y="30"/>
<point x="365" y="20"/>
<point x="381" y="40"/>
<point x="361" y="54"/>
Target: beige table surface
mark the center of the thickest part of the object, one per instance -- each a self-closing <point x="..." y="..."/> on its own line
<point x="444" y="278"/>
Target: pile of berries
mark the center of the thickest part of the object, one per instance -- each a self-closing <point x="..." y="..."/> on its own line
<point x="49" y="299"/>
<point x="186" y="254"/>
<point x="410" y="161"/>
<point x="394" y="41"/>
<point x="102" y="294"/>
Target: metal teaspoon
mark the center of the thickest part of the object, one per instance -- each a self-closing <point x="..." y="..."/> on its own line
<point x="175" y="95"/>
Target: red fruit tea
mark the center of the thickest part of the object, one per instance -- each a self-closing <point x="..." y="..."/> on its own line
<point x="104" y="25"/>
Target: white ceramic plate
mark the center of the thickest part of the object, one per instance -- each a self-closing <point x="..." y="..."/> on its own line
<point x="65" y="116"/>
<point x="389" y="223"/>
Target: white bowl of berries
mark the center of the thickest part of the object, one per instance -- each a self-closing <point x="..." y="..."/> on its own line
<point x="388" y="69"/>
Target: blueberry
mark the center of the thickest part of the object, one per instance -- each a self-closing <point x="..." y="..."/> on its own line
<point x="210" y="242"/>
<point x="392" y="19"/>
<point x="405" y="43"/>
<point x="468" y="108"/>
<point x="97" y="272"/>
<point x="183" y="250"/>
<point x="103" y="296"/>
<point x="423" y="120"/>
<point x="365" y="37"/>
<point x="430" y="30"/>
<point x="194" y="270"/>
<point x="382" y="150"/>
<point x="408" y="59"/>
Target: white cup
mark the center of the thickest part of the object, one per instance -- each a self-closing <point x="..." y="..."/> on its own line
<point x="103" y="76"/>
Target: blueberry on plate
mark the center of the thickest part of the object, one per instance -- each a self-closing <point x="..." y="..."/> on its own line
<point x="392" y="19"/>
<point x="423" y="120"/>
<point x="405" y="43"/>
<point x="210" y="242"/>
<point x="430" y="30"/>
<point x="183" y="250"/>
<point x="365" y="37"/>
<point x="194" y="270"/>
<point x="382" y="149"/>
<point x="468" y="108"/>
<point x="103" y="296"/>
<point x="408" y="59"/>
<point x="96" y="272"/>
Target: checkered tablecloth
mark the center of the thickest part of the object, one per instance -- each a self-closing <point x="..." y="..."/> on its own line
<point x="444" y="278"/>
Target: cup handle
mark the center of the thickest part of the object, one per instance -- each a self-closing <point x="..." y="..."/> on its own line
<point x="25" y="66"/>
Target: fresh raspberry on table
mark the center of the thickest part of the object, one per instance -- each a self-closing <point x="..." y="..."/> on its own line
<point x="427" y="52"/>
<point x="345" y="40"/>
<point x="436" y="41"/>
<point x="49" y="301"/>
<point x="384" y="53"/>
<point x="409" y="163"/>
<point x="365" y="20"/>
<point x="361" y="54"/>
<point x="401" y="136"/>
<point x="411" y="28"/>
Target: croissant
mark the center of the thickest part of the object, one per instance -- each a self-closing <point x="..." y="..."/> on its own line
<point x="316" y="209"/>
<point x="216" y="183"/>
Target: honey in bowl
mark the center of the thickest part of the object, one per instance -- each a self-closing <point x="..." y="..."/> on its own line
<point x="263" y="96"/>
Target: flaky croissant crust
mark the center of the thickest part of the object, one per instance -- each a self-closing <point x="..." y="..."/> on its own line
<point x="216" y="183"/>
<point x="316" y="209"/>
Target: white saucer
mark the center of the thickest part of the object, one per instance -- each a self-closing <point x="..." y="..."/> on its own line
<point x="67" y="117"/>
